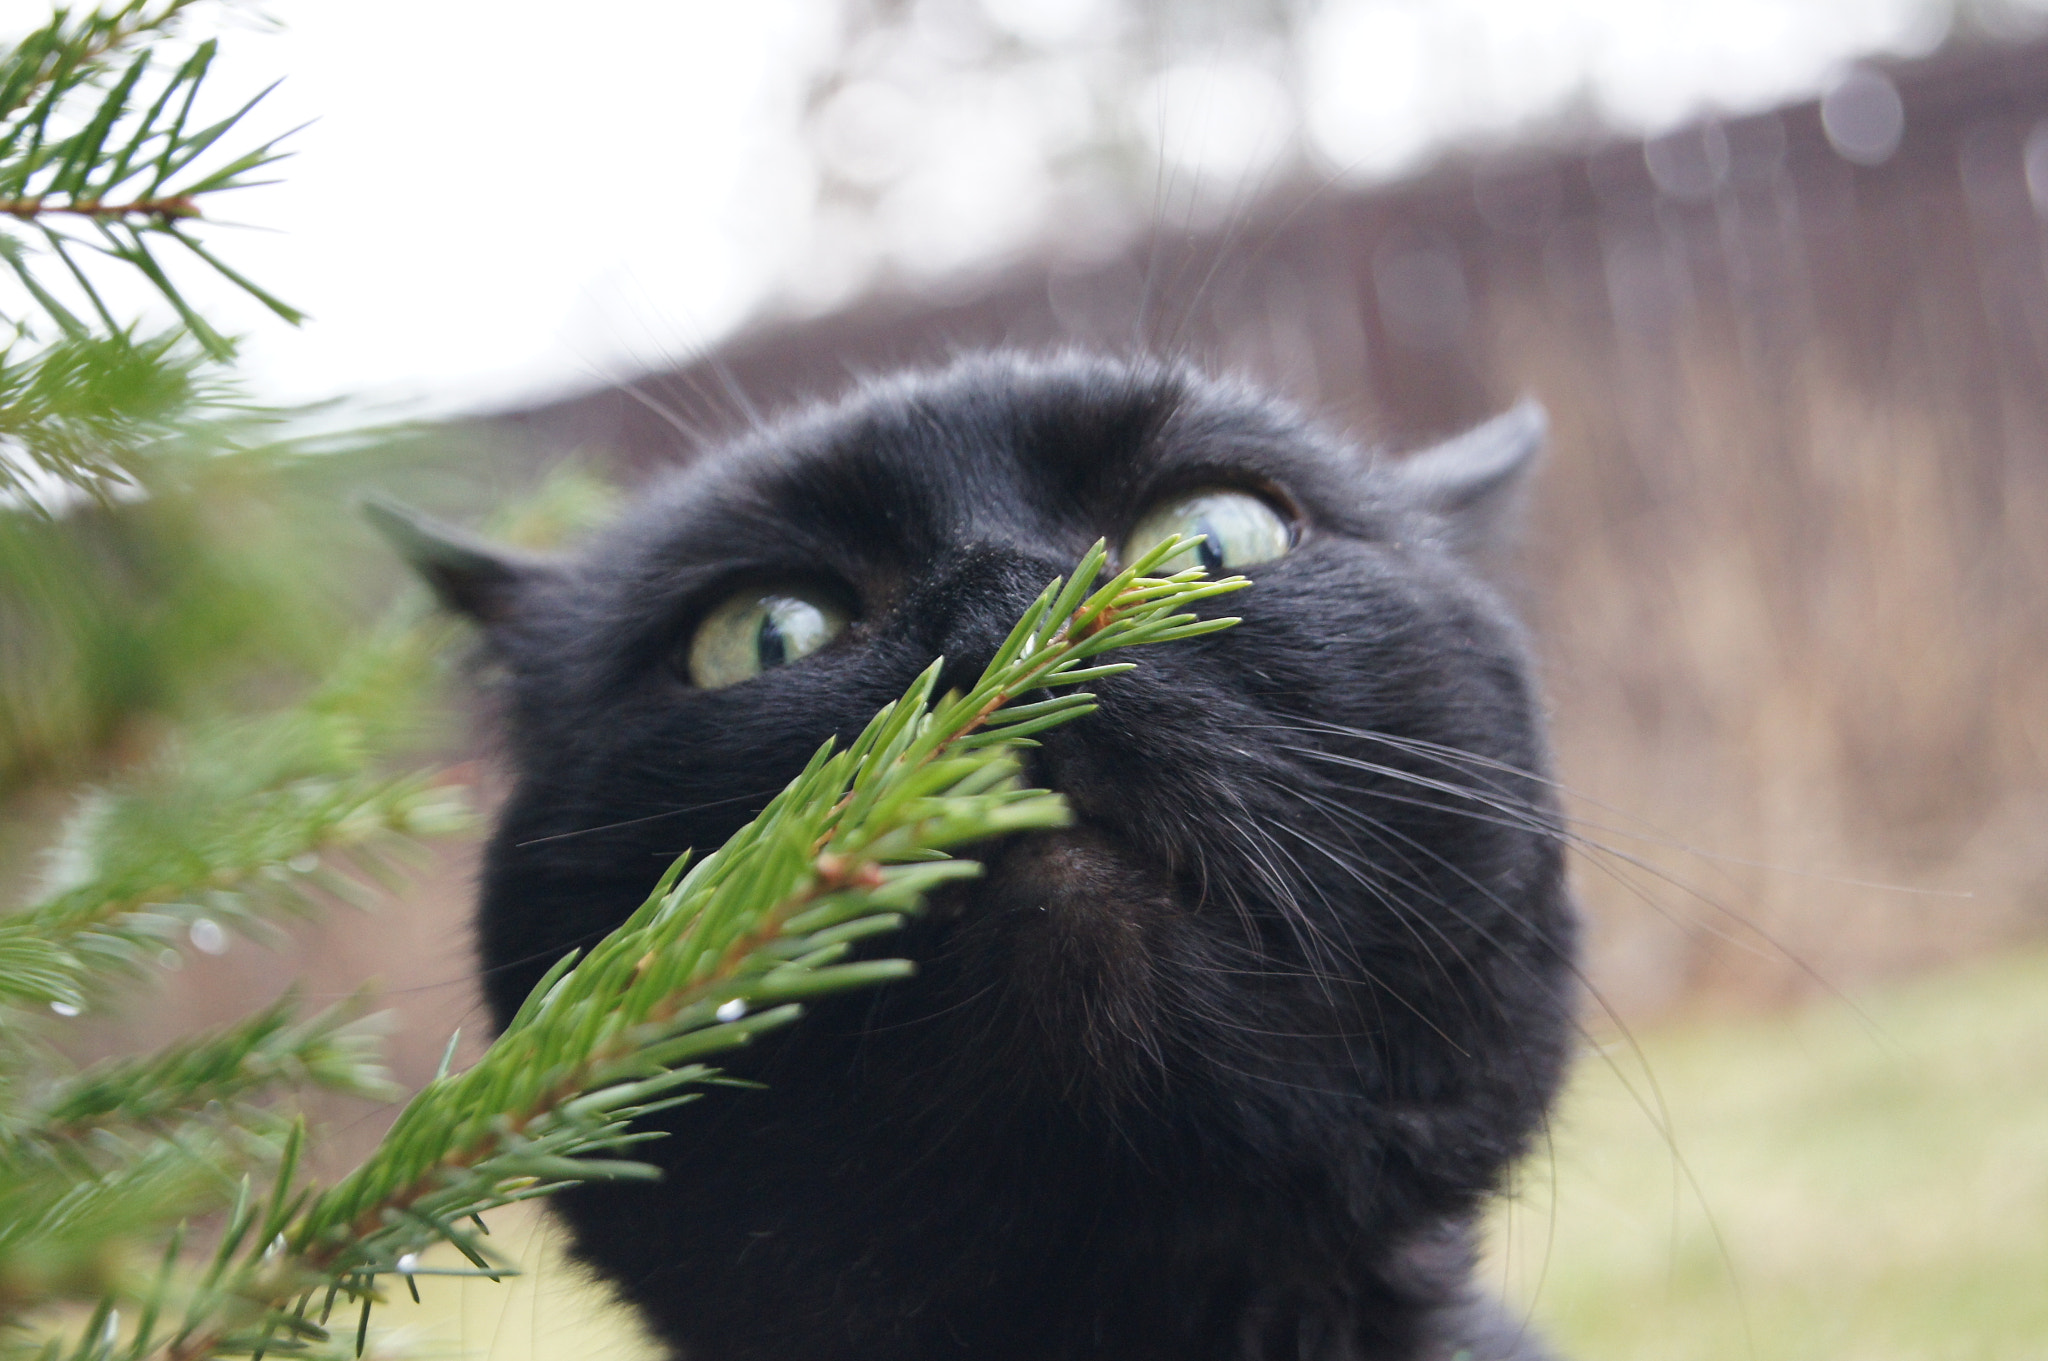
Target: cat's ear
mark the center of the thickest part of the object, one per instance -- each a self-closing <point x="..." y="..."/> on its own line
<point x="466" y="574"/>
<point x="1474" y="480"/>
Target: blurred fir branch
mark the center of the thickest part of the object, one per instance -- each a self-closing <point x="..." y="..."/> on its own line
<point x="125" y="455"/>
<point x="230" y="1067"/>
<point x="92" y="413"/>
<point x="119" y="1152"/>
<point x="229" y="825"/>
<point x="161" y="535"/>
<point x="237" y="573"/>
<point x="721" y="950"/>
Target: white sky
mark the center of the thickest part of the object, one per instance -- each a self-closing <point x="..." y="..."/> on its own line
<point x="497" y="197"/>
<point x="510" y="198"/>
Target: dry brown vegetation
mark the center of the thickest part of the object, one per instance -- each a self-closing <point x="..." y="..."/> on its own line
<point x="1783" y="641"/>
<point x="1791" y="560"/>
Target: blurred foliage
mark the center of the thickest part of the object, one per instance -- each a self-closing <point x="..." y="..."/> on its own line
<point x="91" y="412"/>
<point x="172" y="558"/>
<point x="223" y="564"/>
<point x="228" y="824"/>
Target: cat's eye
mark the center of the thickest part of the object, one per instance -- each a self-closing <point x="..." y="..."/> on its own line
<point x="1238" y="529"/>
<point x="757" y="629"/>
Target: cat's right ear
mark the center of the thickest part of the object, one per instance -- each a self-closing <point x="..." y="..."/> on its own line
<point x="1474" y="481"/>
<point x="466" y="574"/>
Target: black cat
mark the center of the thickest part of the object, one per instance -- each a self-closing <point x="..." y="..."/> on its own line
<point x="1226" y="1070"/>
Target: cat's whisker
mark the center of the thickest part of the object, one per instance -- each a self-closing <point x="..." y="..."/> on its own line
<point x="1328" y="958"/>
<point x="1584" y="982"/>
<point x="1399" y="911"/>
<point x="1597" y="854"/>
<point x="1643" y="830"/>
<point x="1653" y="1106"/>
<point x="756" y="796"/>
<point x="1504" y="813"/>
<point x="1382" y="893"/>
<point x="1345" y="952"/>
<point x="1380" y="832"/>
<point x="1314" y="944"/>
<point x="1408" y="916"/>
<point x="1318" y="950"/>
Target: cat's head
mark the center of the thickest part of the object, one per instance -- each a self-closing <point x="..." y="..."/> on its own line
<point x="1310" y="913"/>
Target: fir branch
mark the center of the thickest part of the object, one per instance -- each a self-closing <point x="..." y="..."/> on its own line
<point x="100" y="159"/>
<point x="130" y="169"/>
<point x="166" y="870"/>
<point x="237" y="821"/>
<point x="229" y="1068"/>
<point x="720" y="951"/>
<point x="67" y="1213"/>
<point x="108" y="415"/>
<point x="73" y="48"/>
<point x="113" y="1154"/>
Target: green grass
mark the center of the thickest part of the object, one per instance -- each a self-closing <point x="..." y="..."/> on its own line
<point x="1862" y="1183"/>
<point x="1866" y="1181"/>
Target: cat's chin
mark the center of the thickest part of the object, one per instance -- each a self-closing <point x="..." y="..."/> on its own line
<point x="1071" y="927"/>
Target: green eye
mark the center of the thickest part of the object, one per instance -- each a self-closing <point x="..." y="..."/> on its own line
<point x="757" y="629"/>
<point x="1241" y="531"/>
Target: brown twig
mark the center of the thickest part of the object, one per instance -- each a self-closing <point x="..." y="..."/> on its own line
<point x="169" y="209"/>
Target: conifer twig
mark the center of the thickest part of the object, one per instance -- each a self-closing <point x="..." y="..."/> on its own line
<point x="107" y="154"/>
<point x="75" y="46"/>
<point x="89" y="131"/>
<point x="225" y="827"/>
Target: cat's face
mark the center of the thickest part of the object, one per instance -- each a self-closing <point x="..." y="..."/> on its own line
<point x="1304" y="947"/>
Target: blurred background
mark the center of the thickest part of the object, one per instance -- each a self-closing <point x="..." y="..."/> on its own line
<point x="1778" y="268"/>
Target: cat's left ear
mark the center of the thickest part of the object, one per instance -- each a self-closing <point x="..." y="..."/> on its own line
<point x="1474" y="480"/>
<point x="467" y="574"/>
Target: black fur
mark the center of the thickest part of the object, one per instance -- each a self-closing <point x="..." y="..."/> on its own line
<point x="1225" y="1071"/>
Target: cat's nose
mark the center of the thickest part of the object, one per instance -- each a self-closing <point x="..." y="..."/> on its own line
<point x="972" y="600"/>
